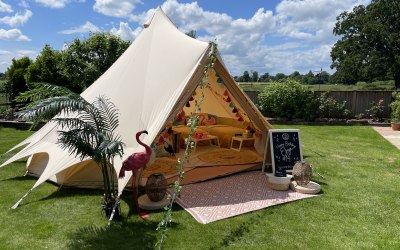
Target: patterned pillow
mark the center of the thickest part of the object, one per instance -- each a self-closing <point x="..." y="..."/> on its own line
<point x="212" y="119"/>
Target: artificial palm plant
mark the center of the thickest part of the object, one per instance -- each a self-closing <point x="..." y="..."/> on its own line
<point x="87" y="131"/>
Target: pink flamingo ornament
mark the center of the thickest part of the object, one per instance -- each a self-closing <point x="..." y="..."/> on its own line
<point x="135" y="163"/>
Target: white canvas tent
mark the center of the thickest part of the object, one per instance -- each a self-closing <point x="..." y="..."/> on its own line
<point x="150" y="84"/>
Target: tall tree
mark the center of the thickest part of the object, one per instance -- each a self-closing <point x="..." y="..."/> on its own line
<point x="192" y="34"/>
<point x="85" y="61"/>
<point x="369" y="47"/>
<point x="265" y="77"/>
<point x="46" y="68"/>
<point x="280" y="76"/>
<point x="246" y="76"/>
<point x="15" y="80"/>
<point x="254" y="76"/>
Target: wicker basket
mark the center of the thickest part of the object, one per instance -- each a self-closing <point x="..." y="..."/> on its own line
<point x="156" y="187"/>
<point x="302" y="172"/>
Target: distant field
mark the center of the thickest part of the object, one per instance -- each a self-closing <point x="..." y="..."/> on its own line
<point x="377" y="85"/>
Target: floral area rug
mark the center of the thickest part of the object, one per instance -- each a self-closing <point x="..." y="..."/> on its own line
<point x="231" y="196"/>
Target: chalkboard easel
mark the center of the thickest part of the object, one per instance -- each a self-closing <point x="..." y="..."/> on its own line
<point x="285" y="148"/>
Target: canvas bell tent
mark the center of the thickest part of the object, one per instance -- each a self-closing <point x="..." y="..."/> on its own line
<point x="153" y="84"/>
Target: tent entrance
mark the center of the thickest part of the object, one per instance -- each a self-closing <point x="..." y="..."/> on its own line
<point x="207" y="162"/>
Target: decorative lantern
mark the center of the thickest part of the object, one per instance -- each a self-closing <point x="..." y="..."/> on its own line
<point x="302" y="172"/>
<point x="156" y="187"/>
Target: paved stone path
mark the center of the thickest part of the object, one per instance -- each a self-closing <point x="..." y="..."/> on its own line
<point x="391" y="135"/>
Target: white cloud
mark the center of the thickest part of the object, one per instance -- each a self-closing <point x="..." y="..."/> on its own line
<point x="24" y="52"/>
<point x="311" y="20"/>
<point x="5" y="7"/>
<point x="55" y="4"/>
<point x="23" y="4"/>
<point x="116" y="8"/>
<point x="4" y="52"/>
<point x="125" y="32"/>
<point x="17" y="20"/>
<point x="13" y="35"/>
<point x="297" y="37"/>
<point x="84" y="28"/>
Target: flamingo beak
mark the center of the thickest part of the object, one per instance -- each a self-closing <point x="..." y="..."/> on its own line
<point x="145" y="131"/>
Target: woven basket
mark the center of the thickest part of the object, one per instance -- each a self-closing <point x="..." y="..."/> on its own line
<point x="302" y="172"/>
<point x="156" y="187"/>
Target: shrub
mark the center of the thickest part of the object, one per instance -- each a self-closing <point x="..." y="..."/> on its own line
<point x="288" y="99"/>
<point x="330" y="108"/>
<point x="375" y="112"/>
<point x="395" y="108"/>
<point x="6" y="113"/>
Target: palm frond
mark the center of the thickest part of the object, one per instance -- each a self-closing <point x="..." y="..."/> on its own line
<point x="53" y="106"/>
<point x="108" y="112"/>
<point x="39" y="91"/>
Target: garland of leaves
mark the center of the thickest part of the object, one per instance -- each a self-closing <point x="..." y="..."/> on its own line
<point x="193" y="122"/>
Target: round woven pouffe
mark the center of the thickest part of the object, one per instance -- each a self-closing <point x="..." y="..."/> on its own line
<point x="146" y="204"/>
<point x="310" y="188"/>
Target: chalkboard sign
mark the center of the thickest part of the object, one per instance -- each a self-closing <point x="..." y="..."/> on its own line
<point x="285" y="150"/>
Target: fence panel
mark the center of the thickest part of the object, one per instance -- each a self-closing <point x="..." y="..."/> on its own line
<point x="356" y="101"/>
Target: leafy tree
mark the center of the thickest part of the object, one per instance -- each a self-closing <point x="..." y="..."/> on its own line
<point x="369" y="47"/>
<point x="254" y="76"/>
<point x="85" y="61"/>
<point x="192" y="34"/>
<point x="265" y="77"/>
<point x="46" y="68"/>
<point x="296" y="76"/>
<point x="2" y="76"/>
<point x="16" y="82"/>
<point x="246" y="76"/>
<point x="280" y="76"/>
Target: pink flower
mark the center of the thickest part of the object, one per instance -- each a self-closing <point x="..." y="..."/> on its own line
<point x="381" y="101"/>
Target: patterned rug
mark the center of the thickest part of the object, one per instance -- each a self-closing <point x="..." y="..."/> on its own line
<point x="229" y="157"/>
<point x="230" y="196"/>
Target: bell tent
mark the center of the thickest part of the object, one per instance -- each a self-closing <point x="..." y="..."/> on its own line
<point x="153" y="85"/>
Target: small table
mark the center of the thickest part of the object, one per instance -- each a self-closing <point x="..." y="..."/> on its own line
<point x="240" y="139"/>
<point x="210" y="138"/>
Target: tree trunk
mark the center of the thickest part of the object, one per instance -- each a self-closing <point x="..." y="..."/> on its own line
<point x="397" y="81"/>
<point x="396" y="76"/>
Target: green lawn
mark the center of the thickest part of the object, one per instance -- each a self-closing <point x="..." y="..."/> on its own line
<point x="358" y="208"/>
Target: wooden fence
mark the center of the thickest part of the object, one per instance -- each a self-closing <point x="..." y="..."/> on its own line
<point x="356" y="101"/>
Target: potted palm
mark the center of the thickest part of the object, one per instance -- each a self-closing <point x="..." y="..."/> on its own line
<point x="395" y="112"/>
<point x="87" y="131"/>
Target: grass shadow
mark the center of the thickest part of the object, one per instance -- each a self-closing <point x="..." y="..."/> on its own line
<point x="121" y="235"/>
<point x="20" y="178"/>
<point x="238" y="232"/>
<point x="71" y="192"/>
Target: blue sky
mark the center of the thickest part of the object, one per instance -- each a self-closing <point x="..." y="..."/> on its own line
<point x="266" y="36"/>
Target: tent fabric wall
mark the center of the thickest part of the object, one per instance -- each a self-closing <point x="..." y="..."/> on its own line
<point x="150" y="83"/>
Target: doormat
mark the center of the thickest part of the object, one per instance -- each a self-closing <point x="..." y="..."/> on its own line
<point x="231" y="196"/>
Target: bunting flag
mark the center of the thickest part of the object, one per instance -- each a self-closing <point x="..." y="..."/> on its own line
<point x="188" y="104"/>
<point x="228" y="99"/>
<point x="191" y="99"/>
<point x="231" y="105"/>
<point x="240" y="119"/>
<point x="226" y="92"/>
<point x="234" y="110"/>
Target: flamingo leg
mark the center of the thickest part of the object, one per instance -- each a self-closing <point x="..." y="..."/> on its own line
<point x="135" y="188"/>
